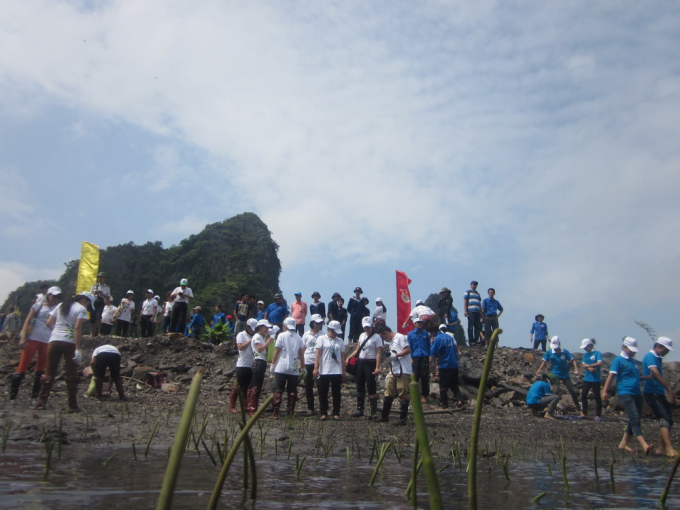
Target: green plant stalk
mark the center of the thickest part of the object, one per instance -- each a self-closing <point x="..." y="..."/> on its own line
<point x="134" y="451"/>
<point x="505" y="468"/>
<point x="564" y="474"/>
<point x="153" y="433"/>
<point x="549" y="469"/>
<point x="611" y="472"/>
<point x="48" y="460"/>
<point x="61" y="419"/>
<point x="298" y="466"/>
<point x="383" y="451"/>
<point x="214" y="498"/>
<point x="595" y="460"/>
<point x="106" y="462"/>
<point x="290" y="446"/>
<point x="5" y="434"/>
<point x="476" y="422"/>
<point x="208" y="452"/>
<point x="246" y="471"/>
<point x="667" y="487"/>
<point x="539" y="497"/>
<point x="172" y="470"/>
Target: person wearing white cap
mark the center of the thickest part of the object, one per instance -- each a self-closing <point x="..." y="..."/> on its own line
<point x="592" y="378"/>
<point x="309" y="340"/>
<point x="423" y="313"/>
<point x="559" y="360"/>
<point x="443" y="350"/>
<point x="180" y="306"/>
<point x="99" y="290"/>
<point x="369" y="356"/>
<point x="35" y="336"/>
<point x="124" y="313"/>
<point x="419" y="342"/>
<point x="380" y="312"/>
<point x="244" y="363"/>
<point x="147" y="315"/>
<point x="329" y="369"/>
<point x="107" y="315"/>
<point x="625" y="370"/>
<point x="654" y="392"/>
<point x="397" y="381"/>
<point x="259" y="345"/>
<point x="66" y="322"/>
<point x="287" y="364"/>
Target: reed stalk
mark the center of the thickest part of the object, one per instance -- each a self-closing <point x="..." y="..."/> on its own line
<point x="383" y="451"/>
<point x="61" y="420"/>
<point x="5" y="433"/>
<point x="48" y="459"/>
<point x="667" y="487"/>
<point x="153" y="433"/>
<point x="539" y="497"/>
<point x="595" y="460"/>
<point x="298" y="466"/>
<point x="208" y="452"/>
<point x="106" y="462"/>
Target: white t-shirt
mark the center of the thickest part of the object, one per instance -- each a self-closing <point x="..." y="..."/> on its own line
<point x="105" y="348"/>
<point x="104" y="289"/>
<point x="107" y="314"/>
<point x="245" y="356"/>
<point x="290" y="344"/>
<point x="369" y="350"/>
<point x="182" y="299"/>
<point x="380" y="313"/>
<point x="63" y="329"/>
<point x="127" y="309"/>
<point x="168" y="308"/>
<point x="149" y="306"/>
<point x="331" y="354"/>
<point x="258" y="340"/>
<point x="419" y="311"/>
<point x="401" y="365"/>
<point x="40" y="298"/>
<point x="39" y="330"/>
<point x="309" y="340"/>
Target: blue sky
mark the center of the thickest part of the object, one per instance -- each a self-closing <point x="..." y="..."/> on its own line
<point x="531" y="146"/>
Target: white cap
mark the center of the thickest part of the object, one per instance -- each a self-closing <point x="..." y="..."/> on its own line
<point x="335" y="326"/>
<point x="252" y="323"/>
<point x="157" y="298"/>
<point x="54" y="291"/>
<point x="663" y="340"/>
<point x="260" y="302"/>
<point x="273" y="330"/>
<point x="129" y="292"/>
<point x="88" y="296"/>
<point x="631" y="343"/>
<point x="263" y="322"/>
<point x="419" y="302"/>
<point x="183" y="281"/>
<point x="442" y="326"/>
<point x="290" y="323"/>
<point x="317" y="318"/>
<point x="366" y="322"/>
<point x="378" y="300"/>
<point x="149" y="291"/>
<point x="585" y="343"/>
<point x="555" y="342"/>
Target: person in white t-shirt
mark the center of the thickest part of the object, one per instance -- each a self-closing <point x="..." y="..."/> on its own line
<point x="167" y="312"/>
<point x="287" y="364"/>
<point x="124" y="313"/>
<point x="329" y="369"/>
<point x="309" y="340"/>
<point x="259" y="345"/>
<point x="99" y="290"/>
<point x="369" y="354"/>
<point x="182" y="295"/>
<point x="66" y="322"/>
<point x="397" y="382"/>
<point x="103" y="357"/>
<point x="108" y="314"/>
<point x="244" y="363"/>
<point x="147" y="315"/>
<point x="34" y="338"/>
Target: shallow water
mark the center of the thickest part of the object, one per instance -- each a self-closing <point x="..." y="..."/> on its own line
<point x="80" y="480"/>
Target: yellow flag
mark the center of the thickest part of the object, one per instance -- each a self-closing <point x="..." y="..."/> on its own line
<point x="89" y="266"/>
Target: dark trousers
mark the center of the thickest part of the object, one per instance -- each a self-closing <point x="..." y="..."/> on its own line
<point x="355" y="328"/>
<point x="448" y="380"/>
<point x="541" y="343"/>
<point x="632" y="404"/>
<point x="309" y="386"/>
<point x="106" y="328"/>
<point x="490" y="324"/>
<point x="595" y="386"/>
<point x="122" y="327"/>
<point x="286" y="383"/>
<point x="99" y="305"/>
<point x="259" y="368"/>
<point x="105" y="360"/>
<point x="243" y="377"/>
<point x="661" y="409"/>
<point x="324" y="383"/>
<point x="147" y="326"/>
<point x="421" y="370"/>
<point x="365" y="377"/>
<point x="549" y="400"/>
<point x="165" y="325"/>
<point x="179" y="318"/>
<point x="57" y="349"/>
<point x="300" y="328"/>
<point x="474" y="327"/>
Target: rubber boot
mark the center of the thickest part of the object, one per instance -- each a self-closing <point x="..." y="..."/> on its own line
<point x="276" y="405"/>
<point x="37" y="377"/>
<point x="233" y="398"/>
<point x="250" y="404"/>
<point x="16" y="382"/>
<point x="387" y="407"/>
<point x="403" y="414"/>
<point x="373" y="406"/>
<point x="98" y="387"/>
<point x="256" y="398"/>
<point x="72" y="387"/>
<point x="292" y="399"/>
<point x="360" y="407"/>
<point x="120" y="389"/>
<point x="45" y="389"/>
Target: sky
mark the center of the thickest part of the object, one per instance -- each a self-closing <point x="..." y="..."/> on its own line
<point x="532" y="146"/>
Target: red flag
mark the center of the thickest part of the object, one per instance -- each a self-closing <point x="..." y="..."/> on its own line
<point x="403" y="302"/>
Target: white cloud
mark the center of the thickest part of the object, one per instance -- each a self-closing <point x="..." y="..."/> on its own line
<point x="15" y="274"/>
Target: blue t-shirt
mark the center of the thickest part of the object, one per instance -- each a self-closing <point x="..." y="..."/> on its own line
<point x="219" y="317"/>
<point x="627" y="375"/>
<point x="652" y="386"/>
<point x="260" y="314"/>
<point x="539" y="330"/>
<point x="537" y="391"/>
<point x="453" y="317"/>
<point x="276" y="313"/>
<point x="419" y="342"/>
<point x="590" y="358"/>
<point x="491" y="307"/>
<point x="444" y="348"/>
<point x="197" y="321"/>
<point x="558" y="361"/>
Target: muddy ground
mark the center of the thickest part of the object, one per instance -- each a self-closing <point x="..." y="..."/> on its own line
<point x="507" y="426"/>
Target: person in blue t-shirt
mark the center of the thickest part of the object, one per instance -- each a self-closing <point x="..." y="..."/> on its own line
<point x="218" y="317"/>
<point x="539" y="332"/>
<point x="654" y="392"/>
<point x="197" y="324"/>
<point x="443" y="350"/>
<point x="277" y="311"/>
<point x="559" y="360"/>
<point x="592" y="379"/>
<point x="627" y="375"/>
<point x="541" y="396"/>
<point x="491" y="311"/>
<point x="419" y="342"/>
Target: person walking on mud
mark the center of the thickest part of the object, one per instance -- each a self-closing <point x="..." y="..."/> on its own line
<point x="539" y="332"/>
<point x="655" y="390"/>
<point x="35" y="336"/>
<point x="66" y="322"/>
<point x="399" y="378"/>
<point x="309" y="340"/>
<point x="419" y="342"/>
<point x="329" y="369"/>
<point x="559" y="360"/>
<point x="244" y="364"/>
<point x="592" y="378"/>
<point x="103" y="357"/>
<point x="627" y="375"/>
<point x="182" y="295"/>
<point x="369" y="355"/>
<point x="259" y="344"/>
<point x="287" y="364"/>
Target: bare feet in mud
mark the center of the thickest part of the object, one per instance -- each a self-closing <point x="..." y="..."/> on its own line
<point x="625" y="447"/>
<point x="549" y="416"/>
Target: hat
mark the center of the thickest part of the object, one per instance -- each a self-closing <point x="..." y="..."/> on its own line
<point x="358" y="289"/>
<point x="378" y="300"/>
<point x="298" y="293"/>
<point x="251" y="323"/>
<point x="631" y="343"/>
<point x="335" y="326"/>
<point x="263" y="322"/>
<point x="539" y="315"/>
<point x="129" y="292"/>
<point x="197" y="308"/>
<point x="444" y="289"/>
<point x="55" y="291"/>
<point x="278" y="296"/>
<point x="157" y="298"/>
<point x="442" y="326"/>
<point x="183" y="281"/>
<point x="101" y="274"/>
<point x="316" y="293"/>
<point x="666" y="342"/>
<point x="149" y="291"/>
<point x="317" y="318"/>
<point x="260" y="302"/>
<point x="419" y="302"/>
<point x="335" y="294"/>
<point x="474" y="282"/>
<point x="585" y="343"/>
<point x="274" y="330"/>
<point x="366" y="322"/>
<point x="290" y="323"/>
<point x="555" y="342"/>
<point x="418" y="319"/>
<point x="89" y="296"/>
